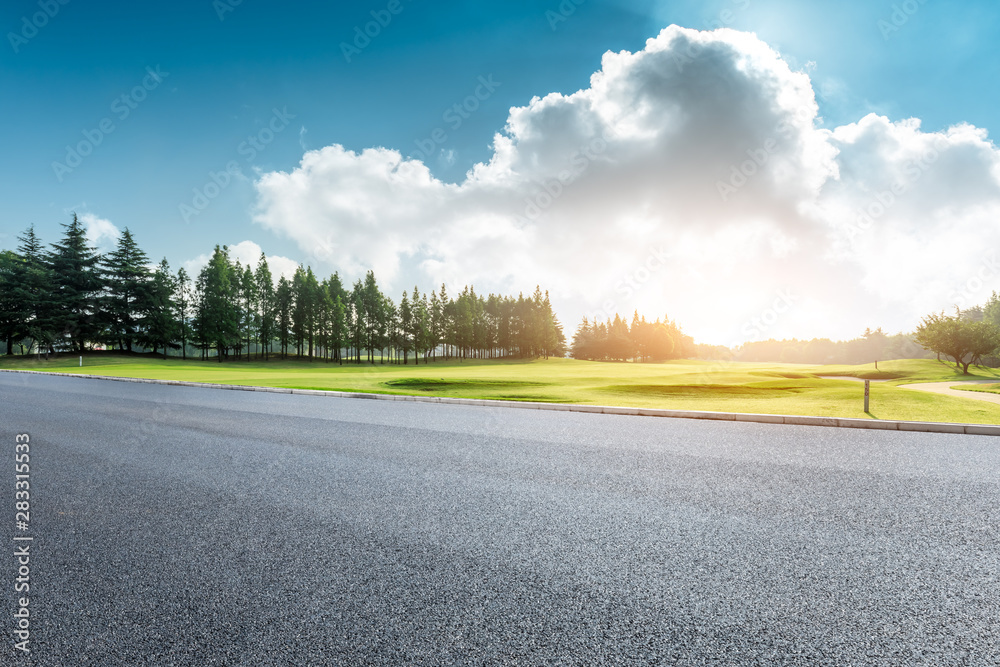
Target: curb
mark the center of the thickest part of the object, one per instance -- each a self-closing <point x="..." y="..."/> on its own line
<point x="798" y="420"/>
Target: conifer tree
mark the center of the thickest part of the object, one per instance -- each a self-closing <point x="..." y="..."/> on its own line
<point x="126" y="275"/>
<point x="78" y="284"/>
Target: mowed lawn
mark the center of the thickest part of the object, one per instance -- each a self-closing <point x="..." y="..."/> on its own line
<point x="688" y="385"/>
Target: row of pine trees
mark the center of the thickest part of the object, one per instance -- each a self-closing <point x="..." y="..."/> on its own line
<point x="643" y="341"/>
<point x="70" y="297"/>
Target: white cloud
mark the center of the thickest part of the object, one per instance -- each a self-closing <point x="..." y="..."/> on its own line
<point x="246" y="252"/>
<point x="704" y="147"/>
<point x="101" y="233"/>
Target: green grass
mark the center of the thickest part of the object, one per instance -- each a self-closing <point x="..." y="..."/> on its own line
<point x="686" y="385"/>
<point x="984" y="388"/>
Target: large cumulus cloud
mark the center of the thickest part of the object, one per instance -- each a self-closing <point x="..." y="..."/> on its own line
<point x="693" y="177"/>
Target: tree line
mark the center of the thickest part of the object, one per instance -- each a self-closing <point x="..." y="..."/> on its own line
<point x="967" y="337"/>
<point x="70" y="297"/>
<point x="616" y="340"/>
<point x="873" y="345"/>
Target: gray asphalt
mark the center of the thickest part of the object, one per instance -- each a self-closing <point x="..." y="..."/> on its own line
<point x="186" y="526"/>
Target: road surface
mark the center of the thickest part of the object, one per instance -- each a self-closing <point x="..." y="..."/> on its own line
<point x="187" y="526"/>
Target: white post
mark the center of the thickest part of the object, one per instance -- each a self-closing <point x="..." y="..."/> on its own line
<point x="81" y="361"/>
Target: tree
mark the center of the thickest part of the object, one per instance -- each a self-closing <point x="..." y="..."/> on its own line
<point x="338" y="316"/>
<point x="126" y="277"/>
<point x="584" y="342"/>
<point x="248" y="306"/>
<point x="158" y="322"/>
<point x="183" y="297"/>
<point x="283" y="312"/>
<point x="419" y="325"/>
<point x="265" y="304"/>
<point x="217" y="319"/>
<point x="405" y="327"/>
<point x="300" y="309"/>
<point x="77" y="282"/>
<point x="32" y="297"/>
<point x="963" y="340"/>
<point x="11" y="311"/>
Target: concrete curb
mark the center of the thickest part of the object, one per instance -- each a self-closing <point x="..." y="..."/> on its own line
<point x="798" y="420"/>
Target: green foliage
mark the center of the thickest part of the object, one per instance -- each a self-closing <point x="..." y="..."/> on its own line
<point x="77" y="285"/>
<point x="127" y="279"/>
<point x="643" y="341"/>
<point x="965" y="341"/>
<point x="72" y="298"/>
<point x="158" y="328"/>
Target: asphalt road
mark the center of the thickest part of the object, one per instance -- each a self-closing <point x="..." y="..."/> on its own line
<point x="185" y="526"/>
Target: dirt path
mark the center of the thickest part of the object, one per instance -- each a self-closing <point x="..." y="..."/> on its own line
<point x="946" y="389"/>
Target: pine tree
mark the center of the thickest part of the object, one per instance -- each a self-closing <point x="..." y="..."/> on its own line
<point x="283" y="311"/>
<point x="265" y="305"/>
<point x="126" y="277"/>
<point x="158" y="321"/>
<point x="183" y="298"/>
<point x="217" y="314"/>
<point x="248" y="307"/>
<point x="34" y="286"/>
<point x="11" y="311"/>
<point x="78" y="284"/>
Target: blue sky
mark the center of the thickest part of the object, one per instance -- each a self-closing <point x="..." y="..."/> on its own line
<point x="225" y="68"/>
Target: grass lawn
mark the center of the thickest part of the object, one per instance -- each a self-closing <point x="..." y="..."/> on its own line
<point x="687" y="385"/>
<point x="985" y="388"/>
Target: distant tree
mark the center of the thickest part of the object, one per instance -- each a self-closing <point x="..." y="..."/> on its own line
<point x="218" y="315"/>
<point x="11" y="311"/>
<point x="264" y="285"/>
<point x="183" y="298"/>
<point x="32" y="297"/>
<point x="338" y="317"/>
<point x="963" y="340"/>
<point x="77" y="286"/>
<point x="405" y="327"/>
<point x="126" y="275"/>
<point x="584" y="342"/>
<point x="283" y="299"/>
<point x="249" y="313"/>
<point x="302" y="303"/>
<point x="420" y="324"/>
<point x="158" y="319"/>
